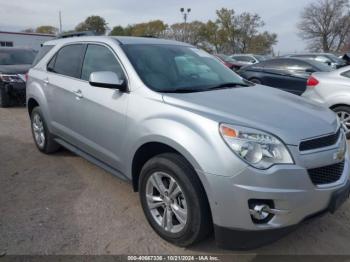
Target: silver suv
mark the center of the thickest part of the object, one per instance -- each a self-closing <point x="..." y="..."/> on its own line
<point x="205" y="149"/>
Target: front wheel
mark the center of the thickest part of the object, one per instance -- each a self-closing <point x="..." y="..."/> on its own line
<point x="343" y="112"/>
<point x="173" y="200"/>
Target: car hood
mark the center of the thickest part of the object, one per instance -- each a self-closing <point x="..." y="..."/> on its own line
<point x="14" y="69"/>
<point x="287" y="116"/>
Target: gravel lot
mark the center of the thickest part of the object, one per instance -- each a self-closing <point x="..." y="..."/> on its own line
<point x="62" y="204"/>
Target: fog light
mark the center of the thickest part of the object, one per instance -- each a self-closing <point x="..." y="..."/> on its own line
<point x="260" y="212"/>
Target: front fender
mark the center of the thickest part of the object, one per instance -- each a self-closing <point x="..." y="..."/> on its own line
<point x="196" y="138"/>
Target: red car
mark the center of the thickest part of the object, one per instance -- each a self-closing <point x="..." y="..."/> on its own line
<point x="229" y="62"/>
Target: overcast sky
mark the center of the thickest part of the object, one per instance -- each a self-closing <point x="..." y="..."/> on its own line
<point x="280" y="16"/>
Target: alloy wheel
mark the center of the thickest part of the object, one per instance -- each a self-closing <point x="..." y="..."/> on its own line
<point x="166" y="202"/>
<point x="38" y="130"/>
<point x="345" y="120"/>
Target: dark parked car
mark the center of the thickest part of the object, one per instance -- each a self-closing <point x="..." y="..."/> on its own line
<point x="14" y="64"/>
<point x="229" y="62"/>
<point x="288" y="74"/>
<point x="327" y="58"/>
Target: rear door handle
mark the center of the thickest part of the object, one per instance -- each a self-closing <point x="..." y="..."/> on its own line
<point x="78" y="93"/>
<point x="46" y="81"/>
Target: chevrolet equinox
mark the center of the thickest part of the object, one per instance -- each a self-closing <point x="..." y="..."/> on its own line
<point x="206" y="150"/>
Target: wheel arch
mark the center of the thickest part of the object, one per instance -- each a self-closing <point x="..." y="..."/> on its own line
<point x="148" y="150"/>
<point x="31" y="104"/>
<point x="337" y="105"/>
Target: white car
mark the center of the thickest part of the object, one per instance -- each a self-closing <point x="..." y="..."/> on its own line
<point x="333" y="90"/>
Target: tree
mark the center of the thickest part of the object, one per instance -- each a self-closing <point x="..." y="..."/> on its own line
<point x="187" y="32"/>
<point x="262" y="43"/>
<point x="325" y="24"/>
<point x="118" y="31"/>
<point x="28" y="30"/>
<point x="211" y="36"/>
<point x="93" y="23"/>
<point x="154" y="28"/>
<point x="247" y="29"/>
<point x="227" y="25"/>
<point x="46" y="29"/>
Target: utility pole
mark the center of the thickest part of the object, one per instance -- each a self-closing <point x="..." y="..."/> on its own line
<point x="185" y="14"/>
<point x="60" y="21"/>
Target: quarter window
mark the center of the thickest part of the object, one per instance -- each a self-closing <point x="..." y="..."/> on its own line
<point x="68" y="60"/>
<point x="99" y="58"/>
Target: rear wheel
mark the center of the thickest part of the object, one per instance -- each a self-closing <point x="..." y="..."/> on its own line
<point x="173" y="200"/>
<point x="43" y="139"/>
<point x="343" y="113"/>
<point x="4" y="98"/>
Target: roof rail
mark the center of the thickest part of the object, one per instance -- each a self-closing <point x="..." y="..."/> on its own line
<point x="76" y="34"/>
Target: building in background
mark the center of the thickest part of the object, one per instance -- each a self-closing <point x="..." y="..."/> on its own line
<point x="26" y="40"/>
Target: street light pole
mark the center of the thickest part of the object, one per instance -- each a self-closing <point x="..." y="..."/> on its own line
<point x="185" y="14"/>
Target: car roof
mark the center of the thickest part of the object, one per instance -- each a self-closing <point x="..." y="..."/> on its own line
<point x="309" y="54"/>
<point x="122" y="40"/>
<point x="243" y="55"/>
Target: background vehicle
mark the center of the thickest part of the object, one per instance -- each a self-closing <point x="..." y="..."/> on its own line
<point x="14" y="64"/>
<point x="333" y="90"/>
<point x="248" y="59"/>
<point x="229" y="62"/>
<point x="288" y="74"/>
<point x="203" y="149"/>
<point x="326" y="58"/>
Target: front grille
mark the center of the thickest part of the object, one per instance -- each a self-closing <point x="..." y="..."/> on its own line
<point x="327" y="174"/>
<point x="319" y="142"/>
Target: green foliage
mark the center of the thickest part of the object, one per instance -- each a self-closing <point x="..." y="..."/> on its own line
<point x="46" y="29"/>
<point x="229" y="33"/>
<point x="118" y="31"/>
<point x="93" y="23"/>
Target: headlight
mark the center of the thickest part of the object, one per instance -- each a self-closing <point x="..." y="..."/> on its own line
<point x="11" y="78"/>
<point x="257" y="148"/>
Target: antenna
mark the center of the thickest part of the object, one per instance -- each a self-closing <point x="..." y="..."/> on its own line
<point x="60" y="21"/>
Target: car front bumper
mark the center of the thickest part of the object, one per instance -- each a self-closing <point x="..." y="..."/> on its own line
<point x="288" y="186"/>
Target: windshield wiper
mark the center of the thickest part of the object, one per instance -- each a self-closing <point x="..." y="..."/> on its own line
<point x="227" y="85"/>
<point x="194" y="90"/>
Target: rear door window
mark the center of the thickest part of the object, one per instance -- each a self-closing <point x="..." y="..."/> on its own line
<point x="69" y="60"/>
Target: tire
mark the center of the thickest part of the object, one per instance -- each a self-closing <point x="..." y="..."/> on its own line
<point x="39" y="129"/>
<point x="191" y="198"/>
<point x="255" y="81"/>
<point x="343" y="113"/>
<point x="4" y="98"/>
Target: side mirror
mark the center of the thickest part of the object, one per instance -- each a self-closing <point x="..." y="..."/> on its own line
<point x="107" y="79"/>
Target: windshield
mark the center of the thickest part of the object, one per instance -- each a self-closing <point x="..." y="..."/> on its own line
<point x="168" y="68"/>
<point x="16" y="57"/>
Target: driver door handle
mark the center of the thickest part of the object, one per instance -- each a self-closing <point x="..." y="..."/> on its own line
<point x="46" y="81"/>
<point x="79" y="94"/>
